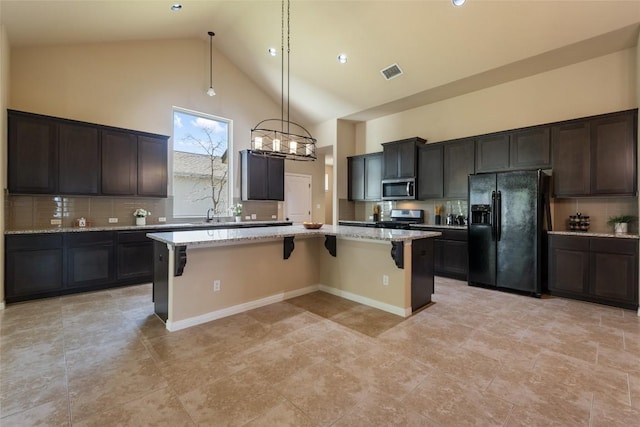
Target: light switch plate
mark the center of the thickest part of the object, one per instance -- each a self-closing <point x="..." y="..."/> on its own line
<point x="162" y="219"/>
<point x="113" y="220"/>
<point x="254" y="216"/>
<point x="56" y="222"/>
<point x="273" y="217"/>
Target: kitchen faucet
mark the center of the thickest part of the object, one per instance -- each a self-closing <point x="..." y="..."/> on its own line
<point x="210" y="215"/>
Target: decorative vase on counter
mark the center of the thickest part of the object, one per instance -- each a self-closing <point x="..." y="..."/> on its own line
<point x="140" y="220"/>
<point x="621" y="228"/>
<point x="238" y="218"/>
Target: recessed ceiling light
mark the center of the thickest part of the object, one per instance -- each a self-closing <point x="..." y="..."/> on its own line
<point x="458" y="2"/>
<point x="272" y="51"/>
<point x="176" y="7"/>
<point x="342" y="58"/>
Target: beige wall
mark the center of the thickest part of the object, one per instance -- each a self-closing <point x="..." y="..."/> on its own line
<point x="135" y="85"/>
<point x="602" y="85"/>
<point x="4" y="95"/>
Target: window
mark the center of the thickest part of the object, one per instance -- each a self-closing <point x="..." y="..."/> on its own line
<point x="201" y="159"/>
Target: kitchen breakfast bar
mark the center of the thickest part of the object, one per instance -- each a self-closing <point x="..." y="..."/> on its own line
<point x="205" y="275"/>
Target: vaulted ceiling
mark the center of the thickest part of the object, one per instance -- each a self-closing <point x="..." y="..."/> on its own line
<point x="442" y="50"/>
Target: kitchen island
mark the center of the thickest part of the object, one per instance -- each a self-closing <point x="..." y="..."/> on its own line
<point x="204" y="275"/>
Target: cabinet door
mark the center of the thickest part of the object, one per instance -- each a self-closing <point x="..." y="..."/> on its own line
<point x="79" y="159"/>
<point x="455" y="259"/>
<point x="254" y="176"/>
<point x="373" y="177"/>
<point x="33" y="266"/>
<point x="492" y="153"/>
<point x="530" y="148"/>
<point x="568" y="265"/>
<point x="89" y="265"/>
<point x="135" y="261"/>
<point x="32" y="154"/>
<point x="356" y="178"/>
<point x="390" y="161"/>
<point x="613" y="155"/>
<point x="430" y="172"/>
<point x="152" y="166"/>
<point x="407" y="159"/>
<point x="119" y="163"/>
<point x="571" y="159"/>
<point x="459" y="163"/>
<point x="614" y="277"/>
<point x="275" y="182"/>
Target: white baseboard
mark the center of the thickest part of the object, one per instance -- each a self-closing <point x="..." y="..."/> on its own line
<point x="236" y="309"/>
<point x="399" y="311"/>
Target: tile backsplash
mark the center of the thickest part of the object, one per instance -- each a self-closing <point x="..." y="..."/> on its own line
<point x="26" y="212"/>
<point x="599" y="211"/>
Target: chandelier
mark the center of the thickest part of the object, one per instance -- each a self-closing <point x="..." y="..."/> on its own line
<point x="279" y="137"/>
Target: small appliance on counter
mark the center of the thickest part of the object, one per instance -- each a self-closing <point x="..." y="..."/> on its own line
<point x="402" y="219"/>
<point x="579" y="222"/>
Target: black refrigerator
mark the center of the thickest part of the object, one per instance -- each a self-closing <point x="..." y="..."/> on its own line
<point x="506" y="225"/>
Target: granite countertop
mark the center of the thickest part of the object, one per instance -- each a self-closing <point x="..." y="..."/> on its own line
<point x="589" y="234"/>
<point x="205" y="238"/>
<point x="372" y="223"/>
<point x="117" y="227"/>
<point x="449" y="227"/>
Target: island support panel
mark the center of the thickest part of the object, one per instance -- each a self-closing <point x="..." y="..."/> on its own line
<point x="250" y="275"/>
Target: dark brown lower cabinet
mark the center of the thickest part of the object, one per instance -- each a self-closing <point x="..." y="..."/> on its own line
<point x="451" y="257"/>
<point x="90" y="258"/>
<point x="602" y="270"/>
<point x="33" y="266"/>
<point x="134" y="256"/>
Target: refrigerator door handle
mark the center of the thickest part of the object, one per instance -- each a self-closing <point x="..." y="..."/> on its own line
<point x="498" y="215"/>
<point x="493" y="215"/>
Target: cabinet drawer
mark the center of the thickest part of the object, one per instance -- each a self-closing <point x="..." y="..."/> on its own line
<point x="459" y="235"/>
<point x="614" y="246"/>
<point x="33" y="241"/>
<point x="88" y="238"/>
<point x="135" y="236"/>
<point x="569" y="242"/>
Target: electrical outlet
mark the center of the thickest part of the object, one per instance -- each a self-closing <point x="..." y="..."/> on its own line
<point x="216" y="285"/>
<point x="254" y="216"/>
<point x="274" y="217"/>
<point x="56" y="222"/>
<point x="162" y="219"/>
<point x="113" y="220"/>
<point x="385" y="280"/>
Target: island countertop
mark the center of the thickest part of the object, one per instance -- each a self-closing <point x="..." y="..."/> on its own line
<point x="224" y="237"/>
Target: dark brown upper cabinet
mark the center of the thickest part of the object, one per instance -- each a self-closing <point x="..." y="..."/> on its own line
<point x="50" y="155"/>
<point x="459" y="163"/>
<point x="119" y="163"/>
<point x="595" y="156"/>
<point x="528" y="148"/>
<point x="430" y="171"/>
<point x="400" y="158"/>
<point x="365" y="177"/>
<point x="152" y="166"/>
<point x="32" y="154"/>
<point x="79" y="154"/>
<point x="613" y="154"/>
<point x="262" y="177"/>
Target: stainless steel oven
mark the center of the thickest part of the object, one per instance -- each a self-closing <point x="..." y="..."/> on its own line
<point x="399" y="189"/>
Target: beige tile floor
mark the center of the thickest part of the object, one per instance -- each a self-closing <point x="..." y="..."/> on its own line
<point x="474" y="357"/>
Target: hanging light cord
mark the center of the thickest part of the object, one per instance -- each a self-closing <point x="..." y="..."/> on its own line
<point x="211" y="34"/>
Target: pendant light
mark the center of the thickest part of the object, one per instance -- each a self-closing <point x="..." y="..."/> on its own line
<point x="210" y="91"/>
<point x="279" y="137"/>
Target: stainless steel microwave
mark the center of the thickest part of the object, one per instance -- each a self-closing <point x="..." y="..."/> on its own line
<point x="399" y="189"/>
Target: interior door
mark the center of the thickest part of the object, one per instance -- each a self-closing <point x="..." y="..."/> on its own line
<point x="297" y="198"/>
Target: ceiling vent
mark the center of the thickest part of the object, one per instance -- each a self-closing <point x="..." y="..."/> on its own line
<point x="392" y="71"/>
